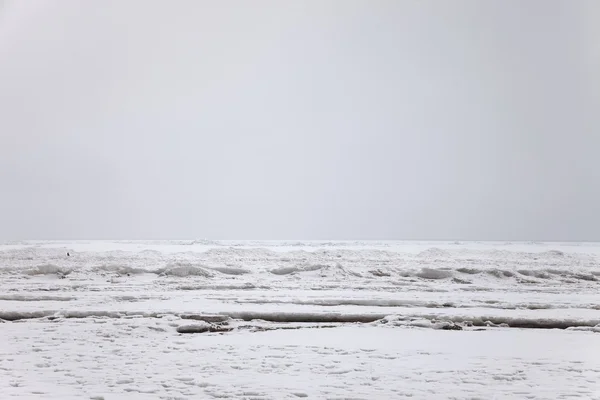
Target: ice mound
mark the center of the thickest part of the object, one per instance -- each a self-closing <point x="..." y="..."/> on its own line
<point x="210" y="318"/>
<point x="312" y="317"/>
<point x="285" y="270"/>
<point x="120" y="269"/>
<point x="202" y="327"/>
<point x="469" y="271"/>
<point x="435" y="322"/>
<point x="48" y="269"/>
<point x="434" y="252"/>
<point x="323" y="270"/>
<point x="183" y="270"/>
<point x="554" y="253"/>
<point x="492" y="321"/>
<point x="395" y="320"/>
<point x="534" y="273"/>
<point x="595" y="329"/>
<point x="230" y="270"/>
<point x="500" y="273"/>
<point x="585" y="277"/>
<point x="297" y="268"/>
<point x="431" y="273"/>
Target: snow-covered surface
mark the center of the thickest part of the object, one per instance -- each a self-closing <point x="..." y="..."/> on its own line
<point x="274" y="320"/>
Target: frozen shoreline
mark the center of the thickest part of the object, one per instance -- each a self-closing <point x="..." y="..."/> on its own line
<point x="139" y="359"/>
<point x="168" y="320"/>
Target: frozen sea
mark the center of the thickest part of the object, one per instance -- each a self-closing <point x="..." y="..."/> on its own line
<point x="299" y="319"/>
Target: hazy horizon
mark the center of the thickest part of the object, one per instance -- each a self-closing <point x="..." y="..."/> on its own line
<point x="198" y="239"/>
<point x="333" y="120"/>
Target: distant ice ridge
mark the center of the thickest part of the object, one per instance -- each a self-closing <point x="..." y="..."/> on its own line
<point x="456" y="264"/>
<point x="394" y="275"/>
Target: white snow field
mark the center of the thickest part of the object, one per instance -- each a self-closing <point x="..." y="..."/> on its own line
<point x="289" y="320"/>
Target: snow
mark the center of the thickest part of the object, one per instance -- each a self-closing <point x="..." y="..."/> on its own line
<point x="299" y="319"/>
<point x="141" y="358"/>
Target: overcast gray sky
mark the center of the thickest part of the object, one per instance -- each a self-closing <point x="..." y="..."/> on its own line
<point x="300" y="120"/>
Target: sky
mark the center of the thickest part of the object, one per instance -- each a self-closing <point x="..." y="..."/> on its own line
<point x="374" y="119"/>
